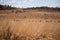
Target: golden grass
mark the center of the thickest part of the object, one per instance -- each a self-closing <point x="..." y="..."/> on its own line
<point x="29" y="25"/>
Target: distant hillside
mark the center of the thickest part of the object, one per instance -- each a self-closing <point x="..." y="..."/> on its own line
<point x="6" y="7"/>
<point x="45" y="8"/>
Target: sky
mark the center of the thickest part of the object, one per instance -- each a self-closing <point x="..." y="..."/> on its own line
<point x="31" y="3"/>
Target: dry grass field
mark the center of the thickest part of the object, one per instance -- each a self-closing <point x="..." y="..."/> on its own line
<point x="29" y="25"/>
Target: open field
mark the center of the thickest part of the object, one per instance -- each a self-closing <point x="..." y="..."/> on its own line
<point x="31" y="24"/>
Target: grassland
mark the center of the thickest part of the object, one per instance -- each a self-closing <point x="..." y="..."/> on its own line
<point x="29" y="24"/>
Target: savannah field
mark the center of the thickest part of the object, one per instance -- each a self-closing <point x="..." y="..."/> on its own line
<point x="28" y="24"/>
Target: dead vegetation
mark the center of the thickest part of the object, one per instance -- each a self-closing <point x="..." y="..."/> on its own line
<point x="8" y="35"/>
<point x="25" y="16"/>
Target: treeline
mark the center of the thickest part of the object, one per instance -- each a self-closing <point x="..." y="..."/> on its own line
<point x="6" y="7"/>
<point x="46" y="8"/>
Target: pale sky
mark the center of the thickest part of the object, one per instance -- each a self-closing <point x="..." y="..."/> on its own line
<point x="31" y="3"/>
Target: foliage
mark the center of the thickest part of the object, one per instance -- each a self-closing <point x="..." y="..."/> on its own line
<point x="6" y="7"/>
